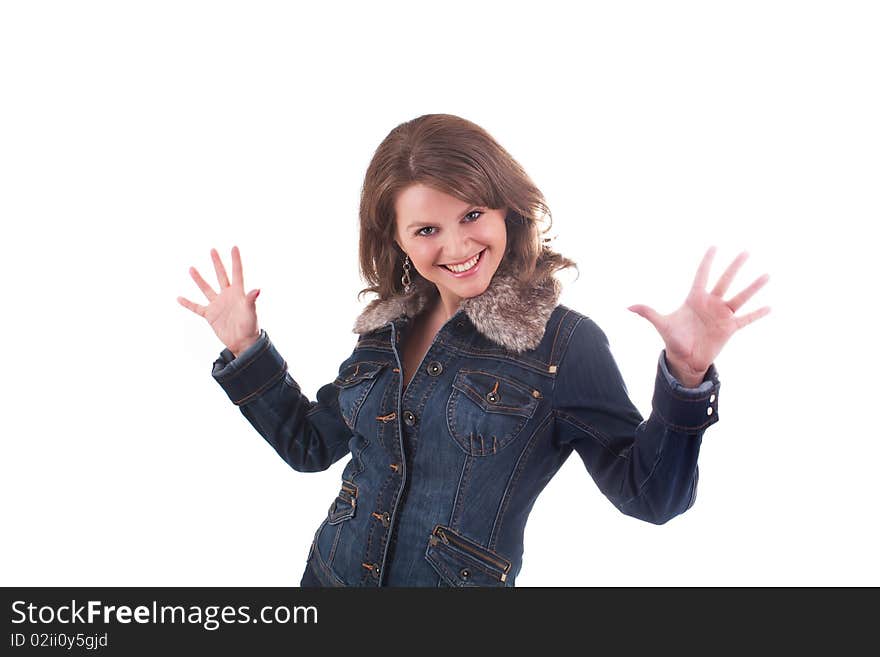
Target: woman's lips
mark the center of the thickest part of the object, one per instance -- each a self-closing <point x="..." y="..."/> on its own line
<point x="470" y="272"/>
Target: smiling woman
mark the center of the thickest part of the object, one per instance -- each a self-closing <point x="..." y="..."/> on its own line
<point x="469" y="385"/>
<point x="462" y="251"/>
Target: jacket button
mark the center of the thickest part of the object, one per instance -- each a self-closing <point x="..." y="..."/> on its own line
<point x="435" y="368"/>
<point x="386" y="519"/>
<point x="492" y="397"/>
<point x="465" y="573"/>
<point x="409" y="418"/>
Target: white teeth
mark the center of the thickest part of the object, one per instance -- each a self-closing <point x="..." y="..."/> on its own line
<point x="465" y="266"/>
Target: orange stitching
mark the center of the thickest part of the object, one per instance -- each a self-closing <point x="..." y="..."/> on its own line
<point x="552" y="369"/>
<point x="556" y="335"/>
<point x="387" y="418"/>
<point x="512" y="382"/>
<point x="377" y="516"/>
<point x="495" y="389"/>
<point x="524" y="407"/>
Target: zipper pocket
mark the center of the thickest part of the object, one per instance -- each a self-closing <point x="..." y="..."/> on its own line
<point x="477" y="551"/>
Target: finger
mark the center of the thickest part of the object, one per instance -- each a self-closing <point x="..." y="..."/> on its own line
<point x="203" y="286"/>
<point x="237" y="278"/>
<point x="737" y="301"/>
<point x="703" y="270"/>
<point x="745" y="320"/>
<point x="650" y="314"/>
<point x="726" y="278"/>
<point x="196" y="308"/>
<point x="220" y="269"/>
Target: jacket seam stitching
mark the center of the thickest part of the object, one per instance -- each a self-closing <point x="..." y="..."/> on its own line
<point x="556" y="336"/>
<point x="595" y="434"/>
<point x="644" y="485"/>
<point x="682" y="428"/>
<point x="511" y="484"/>
<point x="263" y="387"/>
<point x="561" y="360"/>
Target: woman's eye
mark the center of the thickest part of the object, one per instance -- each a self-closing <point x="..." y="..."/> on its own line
<point x="420" y="233"/>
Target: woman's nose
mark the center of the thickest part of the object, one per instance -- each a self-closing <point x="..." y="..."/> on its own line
<point x="457" y="249"/>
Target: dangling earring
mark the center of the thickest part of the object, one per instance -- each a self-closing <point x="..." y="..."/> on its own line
<point x="405" y="279"/>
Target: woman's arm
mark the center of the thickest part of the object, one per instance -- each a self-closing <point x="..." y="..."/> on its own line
<point x="646" y="468"/>
<point x="309" y="436"/>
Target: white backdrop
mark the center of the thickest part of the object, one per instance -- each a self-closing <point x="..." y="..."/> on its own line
<point x="136" y="136"/>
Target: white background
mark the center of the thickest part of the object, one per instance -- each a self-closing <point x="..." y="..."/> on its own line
<point x="136" y="136"/>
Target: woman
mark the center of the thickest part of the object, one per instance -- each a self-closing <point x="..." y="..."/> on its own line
<point x="469" y="385"/>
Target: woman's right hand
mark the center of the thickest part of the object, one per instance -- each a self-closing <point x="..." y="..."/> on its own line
<point x="231" y="313"/>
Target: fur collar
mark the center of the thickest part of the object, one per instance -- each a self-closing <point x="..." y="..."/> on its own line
<point x="508" y="313"/>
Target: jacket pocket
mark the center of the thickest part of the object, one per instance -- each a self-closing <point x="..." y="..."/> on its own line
<point x="461" y="561"/>
<point x="354" y="383"/>
<point x="345" y="504"/>
<point x="487" y="411"/>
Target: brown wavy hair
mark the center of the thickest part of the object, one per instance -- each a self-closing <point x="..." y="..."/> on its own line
<point x="459" y="158"/>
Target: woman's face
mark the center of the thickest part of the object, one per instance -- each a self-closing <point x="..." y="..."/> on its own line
<point x="436" y="229"/>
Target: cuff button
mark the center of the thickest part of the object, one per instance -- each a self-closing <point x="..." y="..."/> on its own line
<point x="709" y="411"/>
<point x="712" y="398"/>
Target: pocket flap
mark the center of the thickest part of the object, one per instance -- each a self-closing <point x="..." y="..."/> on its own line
<point x="357" y="372"/>
<point x="463" y="562"/>
<point x="344" y="505"/>
<point x="497" y="394"/>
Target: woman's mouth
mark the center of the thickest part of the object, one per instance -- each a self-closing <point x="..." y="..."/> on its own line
<point x="467" y="268"/>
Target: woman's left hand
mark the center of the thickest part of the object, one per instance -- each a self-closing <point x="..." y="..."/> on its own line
<point x="695" y="333"/>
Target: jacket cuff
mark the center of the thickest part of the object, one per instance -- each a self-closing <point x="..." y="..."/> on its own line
<point x="685" y="409"/>
<point x="255" y="369"/>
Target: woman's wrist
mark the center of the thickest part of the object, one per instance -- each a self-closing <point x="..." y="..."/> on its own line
<point x="687" y="378"/>
<point x="244" y="344"/>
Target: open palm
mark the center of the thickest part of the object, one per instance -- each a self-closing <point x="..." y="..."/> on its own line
<point x="231" y="313"/>
<point x="695" y="333"/>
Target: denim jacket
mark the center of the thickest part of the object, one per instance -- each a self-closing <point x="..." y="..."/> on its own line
<point x="441" y="476"/>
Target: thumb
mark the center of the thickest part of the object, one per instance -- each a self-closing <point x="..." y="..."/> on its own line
<point x="252" y="295"/>
<point x="647" y="312"/>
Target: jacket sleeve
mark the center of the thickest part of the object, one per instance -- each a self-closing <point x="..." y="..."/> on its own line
<point x="309" y="435"/>
<point x="646" y="468"/>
